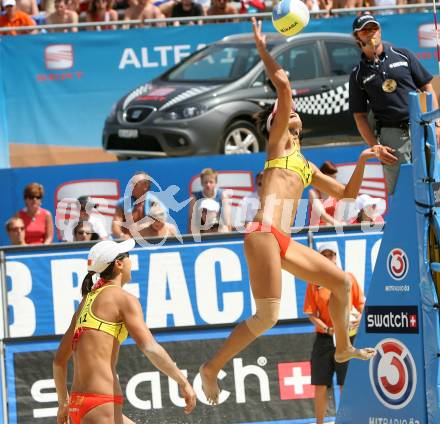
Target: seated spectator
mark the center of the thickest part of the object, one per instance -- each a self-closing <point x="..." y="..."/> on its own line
<point x="140" y="202"/>
<point x="143" y="9"/>
<point x="312" y="5"/>
<point x="385" y="3"/>
<point x="369" y="209"/>
<point x="206" y="4"/>
<point x="101" y="11"/>
<point x="84" y="231"/>
<point x="322" y="207"/>
<point x="209" y="212"/>
<point x="350" y="4"/>
<point x="208" y="179"/>
<point x="15" y="18"/>
<point x="28" y="6"/>
<point x="166" y="7"/>
<point x="87" y="212"/>
<point x="252" y="6"/>
<point x="15" y="230"/>
<point x="156" y="224"/>
<point x="222" y="7"/>
<point x="62" y="15"/>
<point x="80" y="7"/>
<point x="123" y="4"/>
<point x="187" y="8"/>
<point x="251" y="202"/>
<point x="38" y="222"/>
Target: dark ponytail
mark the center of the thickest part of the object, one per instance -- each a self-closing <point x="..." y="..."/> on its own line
<point x="260" y="119"/>
<point x="87" y="283"/>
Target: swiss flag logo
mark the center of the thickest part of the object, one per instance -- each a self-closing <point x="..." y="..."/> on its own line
<point x="413" y="321"/>
<point x="295" y="380"/>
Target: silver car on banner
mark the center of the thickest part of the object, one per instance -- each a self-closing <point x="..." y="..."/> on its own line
<point x="204" y="105"/>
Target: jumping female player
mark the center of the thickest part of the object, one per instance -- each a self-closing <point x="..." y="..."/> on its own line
<point x="267" y="245"/>
<point x="105" y="316"/>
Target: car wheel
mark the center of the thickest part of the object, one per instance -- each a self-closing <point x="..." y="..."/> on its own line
<point x="240" y="137"/>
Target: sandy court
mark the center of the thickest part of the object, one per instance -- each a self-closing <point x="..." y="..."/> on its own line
<point x="27" y="155"/>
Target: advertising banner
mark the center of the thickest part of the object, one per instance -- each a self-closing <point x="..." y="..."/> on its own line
<point x="66" y="84"/>
<point x="393" y="388"/>
<point x="269" y="381"/>
<point x="173" y="181"/>
<point x="178" y="285"/>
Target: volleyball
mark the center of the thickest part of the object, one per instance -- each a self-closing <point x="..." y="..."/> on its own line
<point x="290" y="17"/>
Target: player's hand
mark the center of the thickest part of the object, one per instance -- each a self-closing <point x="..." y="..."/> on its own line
<point x="63" y="414"/>
<point x="383" y="153"/>
<point x="189" y="395"/>
<point x="260" y="38"/>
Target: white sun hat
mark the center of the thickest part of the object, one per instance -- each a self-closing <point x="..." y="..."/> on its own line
<point x="364" y="200"/>
<point x="327" y="246"/>
<point x="102" y="254"/>
<point x="210" y="205"/>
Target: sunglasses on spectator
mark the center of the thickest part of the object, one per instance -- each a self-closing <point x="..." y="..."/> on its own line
<point x="83" y="233"/>
<point x="34" y="197"/>
<point x="16" y="229"/>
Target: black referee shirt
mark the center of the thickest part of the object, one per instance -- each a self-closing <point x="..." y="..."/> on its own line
<point x="367" y="78"/>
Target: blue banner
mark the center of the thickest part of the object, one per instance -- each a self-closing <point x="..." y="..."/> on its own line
<point x="178" y="285"/>
<point x="67" y="83"/>
<point x="106" y="182"/>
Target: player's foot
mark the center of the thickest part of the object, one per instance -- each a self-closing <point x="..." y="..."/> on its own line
<point x="351" y="353"/>
<point x="209" y="384"/>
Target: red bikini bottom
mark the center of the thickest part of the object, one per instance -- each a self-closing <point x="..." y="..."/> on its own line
<point x="282" y="239"/>
<point x="81" y="403"/>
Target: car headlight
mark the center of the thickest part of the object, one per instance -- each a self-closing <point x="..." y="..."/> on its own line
<point x="186" y="112"/>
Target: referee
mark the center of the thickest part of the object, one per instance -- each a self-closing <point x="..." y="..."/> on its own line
<point x="381" y="82"/>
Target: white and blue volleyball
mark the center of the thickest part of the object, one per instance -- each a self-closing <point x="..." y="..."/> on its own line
<point x="290" y="17"/>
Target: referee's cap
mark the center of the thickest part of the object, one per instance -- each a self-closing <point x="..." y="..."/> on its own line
<point x="360" y="22"/>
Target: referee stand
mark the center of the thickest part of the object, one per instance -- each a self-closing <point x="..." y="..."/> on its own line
<point x="401" y="384"/>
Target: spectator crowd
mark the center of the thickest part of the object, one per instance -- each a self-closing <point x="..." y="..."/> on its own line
<point x="30" y="13"/>
<point x="145" y="214"/>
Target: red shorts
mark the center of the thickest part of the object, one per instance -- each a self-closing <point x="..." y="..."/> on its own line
<point x="81" y="403"/>
<point x="282" y="239"/>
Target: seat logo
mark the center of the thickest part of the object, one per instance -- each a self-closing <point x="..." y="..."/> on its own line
<point x="397" y="264"/>
<point x="59" y="56"/>
<point x="393" y="374"/>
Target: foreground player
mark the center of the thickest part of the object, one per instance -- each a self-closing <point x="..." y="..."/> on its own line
<point x="105" y="316"/>
<point x="268" y="246"/>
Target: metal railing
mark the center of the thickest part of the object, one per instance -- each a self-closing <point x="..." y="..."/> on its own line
<point x="120" y="24"/>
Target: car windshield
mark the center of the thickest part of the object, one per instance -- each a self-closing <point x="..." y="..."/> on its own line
<point x="219" y="63"/>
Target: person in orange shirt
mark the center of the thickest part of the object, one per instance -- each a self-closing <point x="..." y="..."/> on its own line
<point x="15" y="18"/>
<point x="323" y="364"/>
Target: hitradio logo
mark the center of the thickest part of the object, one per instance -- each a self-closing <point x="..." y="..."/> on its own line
<point x="397" y="264"/>
<point x="393" y="374"/>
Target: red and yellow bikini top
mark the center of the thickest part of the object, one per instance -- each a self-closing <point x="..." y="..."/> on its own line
<point x="295" y="162"/>
<point x="86" y="319"/>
